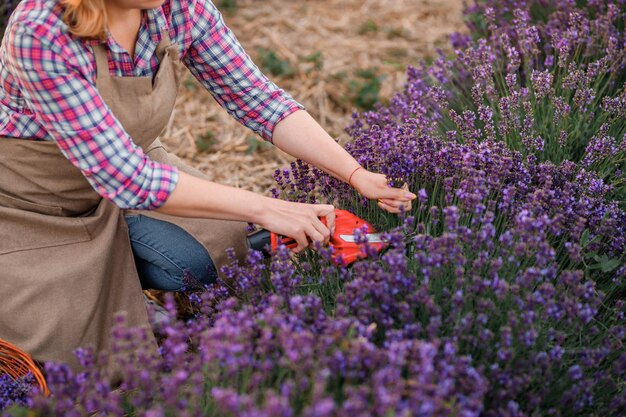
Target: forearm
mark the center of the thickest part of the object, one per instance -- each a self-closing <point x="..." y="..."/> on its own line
<point x="197" y="197"/>
<point x="301" y="136"/>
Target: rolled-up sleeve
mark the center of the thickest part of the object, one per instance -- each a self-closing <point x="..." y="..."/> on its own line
<point x="69" y="107"/>
<point x="217" y="59"/>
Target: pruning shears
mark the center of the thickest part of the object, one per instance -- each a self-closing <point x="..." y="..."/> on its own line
<point x="348" y="248"/>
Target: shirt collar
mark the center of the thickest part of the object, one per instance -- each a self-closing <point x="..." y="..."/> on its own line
<point x="152" y="20"/>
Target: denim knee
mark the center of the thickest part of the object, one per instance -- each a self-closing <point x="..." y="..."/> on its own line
<point x="167" y="256"/>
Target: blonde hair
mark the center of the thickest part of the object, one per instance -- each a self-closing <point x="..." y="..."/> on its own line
<point x="85" y="18"/>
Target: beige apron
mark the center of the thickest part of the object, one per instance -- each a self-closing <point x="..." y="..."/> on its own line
<point x="66" y="265"/>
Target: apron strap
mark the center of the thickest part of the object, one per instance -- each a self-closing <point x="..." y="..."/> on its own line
<point x="102" y="62"/>
<point x="162" y="46"/>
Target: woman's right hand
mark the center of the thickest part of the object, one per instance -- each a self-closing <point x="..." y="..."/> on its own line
<point x="197" y="197"/>
<point x="300" y="221"/>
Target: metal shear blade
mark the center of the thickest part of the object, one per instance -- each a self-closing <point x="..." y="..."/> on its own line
<point x="371" y="238"/>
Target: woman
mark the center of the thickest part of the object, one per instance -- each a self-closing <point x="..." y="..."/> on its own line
<point x="87" y="87"/>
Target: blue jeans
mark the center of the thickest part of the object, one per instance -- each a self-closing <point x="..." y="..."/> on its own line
<point x="167" y="257"/>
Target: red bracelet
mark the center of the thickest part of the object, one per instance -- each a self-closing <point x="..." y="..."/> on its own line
<point x="350" y="177"/>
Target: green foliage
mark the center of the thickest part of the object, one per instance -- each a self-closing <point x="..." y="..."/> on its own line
<point x="340" y="75"/>
<point x="270" y="62"/>
<point x="398" y="52"/>
<point x="256" y="145"/>
<point x="18" y="411"/>
<point x="229" y="6"/>
<point x="369" y="26"/>
<point x="365" y="90"/>
<point x="190" y="83"/>
<point x="205" y="141"/>
<point x="316" y="58"/>
<point x="397" y="32"/>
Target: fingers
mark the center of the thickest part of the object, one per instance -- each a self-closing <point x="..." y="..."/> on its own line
<point x="397" y="205"/>
<point x="385" y="192"/>
<point x="322" y="230"/>
<point x="327" y="211"/>
<point x="397" y="200"/>
<point x="314" y="230"/>
<point x="312" y="234"/>
<point x="393" y="208"/>
<point x="399" y="194"/>
<point x="302" y="240"/>
<point x="391" y="199"/>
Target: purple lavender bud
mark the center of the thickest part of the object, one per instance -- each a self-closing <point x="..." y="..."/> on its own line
<point x="542" y="83"/>
<point x="422" y="196"/>
<point x="575" y="372"/>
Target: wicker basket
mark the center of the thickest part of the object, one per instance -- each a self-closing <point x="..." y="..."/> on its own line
<point x="16" y="363"/>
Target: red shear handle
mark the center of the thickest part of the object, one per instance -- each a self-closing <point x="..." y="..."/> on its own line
<point x="347" y="253"/>
<point x="288" y="241"/>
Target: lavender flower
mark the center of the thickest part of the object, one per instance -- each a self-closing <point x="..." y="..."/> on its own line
<point x="15" y="392"/>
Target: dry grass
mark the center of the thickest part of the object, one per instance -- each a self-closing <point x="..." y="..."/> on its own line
<point x="325" y="42"/>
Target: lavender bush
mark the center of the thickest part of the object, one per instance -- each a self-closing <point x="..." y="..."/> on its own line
<point x="563" y="64"/>
<point x="515" y="86"/>
<point x="502" y="292"/>
<point x="551" y="86"/>
<point x="507" y="256"/>
<point x="489" y="290"/>
<point x="469" y="325"/>
<point x="584" y="226"/>
<point x="268" y="359"/>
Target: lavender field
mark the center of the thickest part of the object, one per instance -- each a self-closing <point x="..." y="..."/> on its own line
<point x="501" y="294"/>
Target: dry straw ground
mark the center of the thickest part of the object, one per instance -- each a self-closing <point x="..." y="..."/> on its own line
<point x="324" y="43"/>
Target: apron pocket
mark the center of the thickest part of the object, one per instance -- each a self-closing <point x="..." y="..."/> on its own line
<point x="25" y="230"/>
<point x="17" y="203"/>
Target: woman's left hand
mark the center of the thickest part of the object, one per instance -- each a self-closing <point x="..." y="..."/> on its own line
<point x="375" y="186"/>
<point x="301" y="136"/>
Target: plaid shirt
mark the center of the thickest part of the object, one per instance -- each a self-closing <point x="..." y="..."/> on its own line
<point x="47" y="91"/>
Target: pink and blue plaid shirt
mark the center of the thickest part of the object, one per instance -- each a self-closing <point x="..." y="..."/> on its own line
<point x="47" y="91"/>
